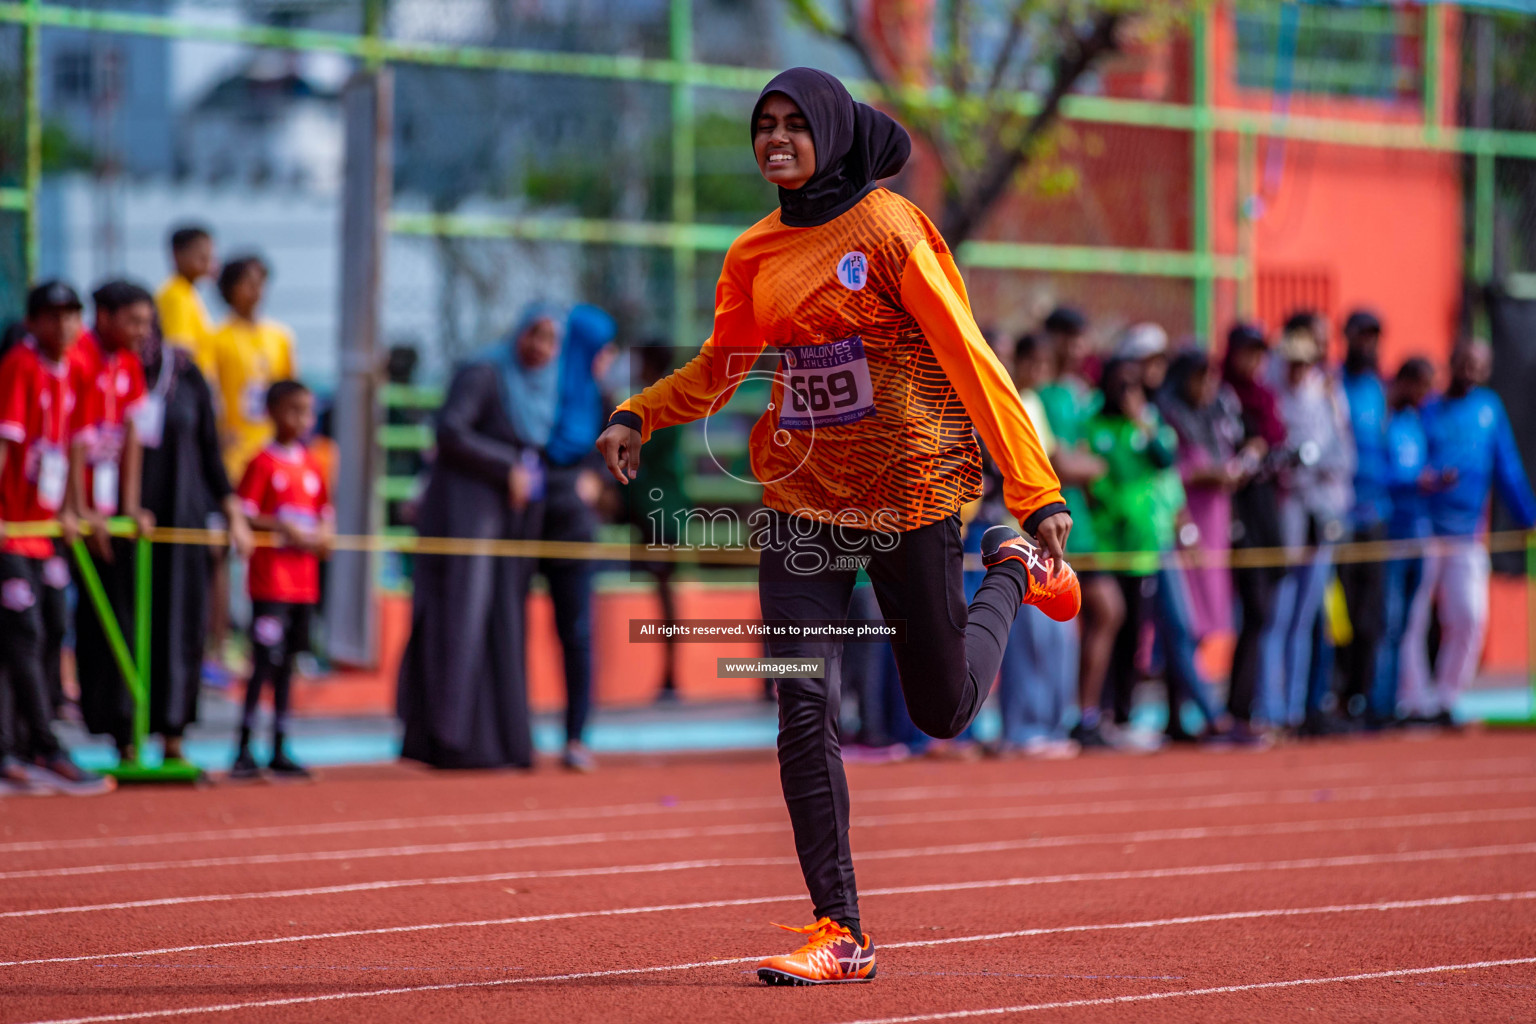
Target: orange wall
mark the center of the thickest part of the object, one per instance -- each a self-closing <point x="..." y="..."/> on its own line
<point x="1384" y="225"/>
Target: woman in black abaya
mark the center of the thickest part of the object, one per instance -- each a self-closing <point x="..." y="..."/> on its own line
<point x="463" y="681"/>
<point x="183" y="484"/>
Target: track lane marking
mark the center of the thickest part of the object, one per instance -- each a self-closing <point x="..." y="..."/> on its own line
<point x="1067" y="1004"/>
<point x="695" y="965"/>
<point x="898" y="794"/>
<point x="1353" y="860"/>
<point x="1258" y="798"/>
<point x="1314" y="826"/>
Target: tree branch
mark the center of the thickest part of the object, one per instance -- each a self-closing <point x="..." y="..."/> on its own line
<point x="1011" y="37"/>
<point x="962" y="217"/>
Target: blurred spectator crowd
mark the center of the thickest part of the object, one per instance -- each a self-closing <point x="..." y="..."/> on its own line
<point x="1310" y="534"/>
<point x="156" y="415"/>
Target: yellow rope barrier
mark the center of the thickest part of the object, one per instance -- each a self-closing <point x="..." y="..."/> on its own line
<point x="1239" y="558"/>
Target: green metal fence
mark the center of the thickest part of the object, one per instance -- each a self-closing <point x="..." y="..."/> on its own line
<point x="1349" y="49"/>
<point x="684" y="236"/>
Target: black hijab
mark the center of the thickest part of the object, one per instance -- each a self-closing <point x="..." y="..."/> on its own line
<point x="856" y="146"/>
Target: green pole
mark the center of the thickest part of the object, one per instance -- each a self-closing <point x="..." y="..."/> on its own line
<point x="142" y="593"/>
<point x="684" y="258"/>
<point x="1434" y="30"/>
<point x="1482" y="234"/>
<point x="31" y="72"/>
<point x="1482" y="220"/>
<point x="373" y="31"/>
<point x="1203" y="156"/>
<point x="133" y="665"/>
<point x="1530" y="619"/>
<point x="108" y="619"/>
<point x="1247" y="157"/>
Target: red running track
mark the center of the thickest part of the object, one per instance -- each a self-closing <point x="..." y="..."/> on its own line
<point x="1390" y="880"/>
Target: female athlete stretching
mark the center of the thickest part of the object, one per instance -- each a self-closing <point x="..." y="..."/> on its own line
<point x="866" y="452"/>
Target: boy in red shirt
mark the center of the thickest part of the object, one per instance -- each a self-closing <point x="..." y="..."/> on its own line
<point x="39" y="423"/>
<point x="109" y="382"/>
<point x="283" y="492"/>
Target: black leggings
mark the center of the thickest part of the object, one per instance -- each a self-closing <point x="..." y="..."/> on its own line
<point x="567" y="518"/>
<point x="947" y="663"/>
<point x="279" y="631"/>
<point x="1140" y="594"/>
<point x="1256" y="595"/>
<point x="26" y="713"/>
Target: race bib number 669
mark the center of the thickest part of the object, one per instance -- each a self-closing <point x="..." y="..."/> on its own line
<point x="826" y="385"/>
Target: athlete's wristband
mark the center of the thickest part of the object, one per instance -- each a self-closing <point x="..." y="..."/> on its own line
<point x="632" y="420"/>
<point x="1039" y="515"/>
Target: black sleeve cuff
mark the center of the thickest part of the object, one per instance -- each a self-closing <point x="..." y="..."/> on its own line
<point x="625" y="418"/>
<point x="1043" y="513"/>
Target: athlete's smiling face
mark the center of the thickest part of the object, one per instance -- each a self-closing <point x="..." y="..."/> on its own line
<point x="781" y="139"/>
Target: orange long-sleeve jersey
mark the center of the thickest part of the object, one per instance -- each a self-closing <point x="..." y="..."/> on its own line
<point x="883" y="379"/>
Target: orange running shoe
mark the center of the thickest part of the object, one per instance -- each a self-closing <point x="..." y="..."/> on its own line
<point x="831" y="956"/>
<point x="1053" y="586"/>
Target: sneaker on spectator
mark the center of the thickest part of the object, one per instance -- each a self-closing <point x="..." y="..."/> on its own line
<point x="216" y="675"/>
<point x="1131" y="740"/>
<point x="1049" y="748"/>
<point x="16" y="779"/>
<point x="284" y="767"/>
<point x="578" y="758"/>
<point x="58" y="774"/>
<point x="953" y="750"/>
<point x="1091" y="739"/>
<point x="859" y="753"/>
<point x="245" y="768"/>
<point x="1245" y="736"/>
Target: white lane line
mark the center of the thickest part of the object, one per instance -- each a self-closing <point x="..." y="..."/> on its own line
<point x="1355" y="860"/>
<point x="1207" y="802"/>
<point x="997" y="846"/>
<point x="695" y="965"/>
<point x="1216" y="990"/>
<point x="909" y="793"/>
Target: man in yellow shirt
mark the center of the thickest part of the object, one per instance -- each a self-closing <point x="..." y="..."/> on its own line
<point x="248" y="355"/>
<point x="184" y="320"/>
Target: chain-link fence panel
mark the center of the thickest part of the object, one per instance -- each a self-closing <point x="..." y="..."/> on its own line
<point x="13" y="263"/>
<point x="551" y="144"/>
<point x="13" y="108"/>
<point x="637" y="28"/>
<point x="449" y="297"/>
<point x="1011" y="302"/>
<point x="1514" y="218"/>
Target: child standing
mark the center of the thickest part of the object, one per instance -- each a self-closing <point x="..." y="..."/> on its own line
<point x="283" y="491"/>
<point x="248" y="353"/>
<point x="245" y="354"/>
<point x="40" y="421"/>
<point x="183" y="317"/>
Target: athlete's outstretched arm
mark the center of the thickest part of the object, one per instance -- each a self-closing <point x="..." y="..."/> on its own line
<point x="688" y="393"/>
<point x="933" y="292"/>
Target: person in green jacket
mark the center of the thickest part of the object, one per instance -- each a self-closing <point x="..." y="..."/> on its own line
<point x="1132" y="510"/>
<point x="1070" y="401"/>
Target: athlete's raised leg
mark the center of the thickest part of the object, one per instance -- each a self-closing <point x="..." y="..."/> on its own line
<point x="951" y="651"/>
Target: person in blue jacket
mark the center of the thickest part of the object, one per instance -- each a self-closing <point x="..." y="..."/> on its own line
<point x="1473" y="449"/>
<point x="1364" y="582"/>
<point x="1410" y="482"/>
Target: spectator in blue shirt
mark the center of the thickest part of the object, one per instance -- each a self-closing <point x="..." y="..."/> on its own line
<point x="1473" y="448"/>
<point x="1363" y="582"/>
<point x="1410" y="482"/>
